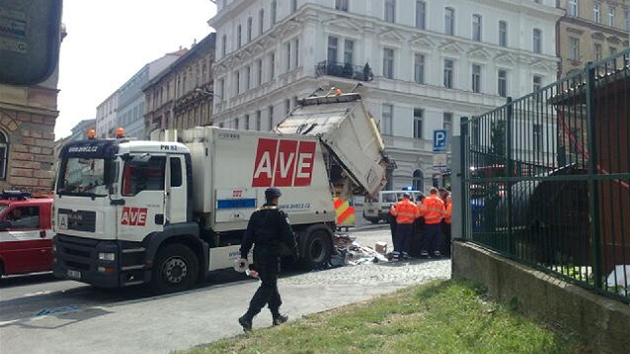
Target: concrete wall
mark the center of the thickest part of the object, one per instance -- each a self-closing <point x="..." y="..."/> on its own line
<point x="603" y="323"/>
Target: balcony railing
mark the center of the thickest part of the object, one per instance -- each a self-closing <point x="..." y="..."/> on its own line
<point x="347" y="70"/>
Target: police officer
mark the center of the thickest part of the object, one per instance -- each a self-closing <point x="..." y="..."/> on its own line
<point x="269" y="229"/>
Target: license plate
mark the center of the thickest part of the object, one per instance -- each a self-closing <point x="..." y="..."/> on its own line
<point x="74" y="274"/>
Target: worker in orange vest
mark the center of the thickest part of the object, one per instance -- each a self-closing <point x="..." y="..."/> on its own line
<point x="433" y="211"/>
<point x="446" y="227"/>
<point x="406" y="212"/>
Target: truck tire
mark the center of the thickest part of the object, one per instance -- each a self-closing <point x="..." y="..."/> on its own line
<point x="316" y="249"/>
<point x="176" y="268"/>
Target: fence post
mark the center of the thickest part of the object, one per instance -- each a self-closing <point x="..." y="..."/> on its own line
<point x="509" y="172"/>
<point x="593" y="192"/>
<point x="465" y="200"/>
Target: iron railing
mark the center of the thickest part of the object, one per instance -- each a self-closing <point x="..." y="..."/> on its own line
<point x="546" y="178"/>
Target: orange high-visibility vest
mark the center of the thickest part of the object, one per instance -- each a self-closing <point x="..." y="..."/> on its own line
<point x="405" y="212"/>
<point x="433" y="209"/>
<point x="448" y="217"/>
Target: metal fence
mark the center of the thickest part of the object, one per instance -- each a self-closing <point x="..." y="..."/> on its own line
<point x="546" y="178"/>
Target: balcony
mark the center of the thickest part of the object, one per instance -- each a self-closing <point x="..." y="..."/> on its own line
<point x="346" y="70"/>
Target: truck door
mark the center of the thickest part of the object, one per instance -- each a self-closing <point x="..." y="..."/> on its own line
<point x="176" y="199"/>
<point x="142" y="189"/>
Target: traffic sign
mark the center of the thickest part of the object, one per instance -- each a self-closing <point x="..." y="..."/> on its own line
<point x="439" y="161"/>
<point x="439" y="140"/>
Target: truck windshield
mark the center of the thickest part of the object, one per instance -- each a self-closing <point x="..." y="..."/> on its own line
<point x="82" y="176"/>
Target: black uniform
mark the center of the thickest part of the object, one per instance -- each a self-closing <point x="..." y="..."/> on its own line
<point x="269" y="229"/>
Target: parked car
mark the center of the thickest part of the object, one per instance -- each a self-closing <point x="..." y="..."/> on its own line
<point x="25" y="233"/>
<point x="376" y="209"/>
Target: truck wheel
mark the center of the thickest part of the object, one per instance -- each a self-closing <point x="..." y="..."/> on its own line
<point x="175" y="269"/>
<point x="317" y="249"/>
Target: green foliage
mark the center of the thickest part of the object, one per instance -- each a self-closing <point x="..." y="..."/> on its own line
<point x="440" y="317"/>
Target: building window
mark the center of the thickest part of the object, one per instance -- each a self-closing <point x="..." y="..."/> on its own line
<point x="341" y="5"/>
<point x="573" y="8"/>
<point x="476" y="78"/>
<point x="348" y="52"/>
<point x="238" y="36"/>
<point x="503" y="33"/>
<point x="221" y="89"/>
<point x="293" y="6"/>
<point x="612" y="50"/>
<point x="261" y="21"/>
<point x="223" y="45"/>
<point x="418" y="64"/>
<point x="476" y="28"/>
<point x="248" y="73"/>
<point x="236" y="123"/>
<point x="537" y="138"/>
<point x="247" y="122"/>
<point x="611" y="16"/>
<point x="249" y="30"/>
<point x="448" y="73"/>
<point x="418" y="115"/>
<point x="388" y="63"/>
<point x="333" y="43"/>
<point x="287" y="107"/>
<point x="387" y="118"/>
<point x="258" y="120"/>
<point x="536" y="83"/>
<point x="272" y="66"/>
<point x="237" y="82"/>
<point x="537" y="42"/>
<point x="447" y="122"/>
<point x="287" y="48"/>
<point x="270" y="121"/>
<point x="626" y="20"/>
<point x="502" y="83"/>
<point x="259" y="72"/>
<point x="390" y="11"/>
<point x="421" y="14"/>
<point x="4" y="151"/>
<point x="296" y="53"/>
<point x="574" y="48"/>
<point x="418" y="180"/>
<point x="274" y="8"/>
<point x="598" y="51"/>
<point x="449" y="21"/>
<point x="597" y="17"/>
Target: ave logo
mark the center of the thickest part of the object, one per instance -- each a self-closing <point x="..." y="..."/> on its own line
<point x="134" y="216"/>
<point x="283" y="163"/>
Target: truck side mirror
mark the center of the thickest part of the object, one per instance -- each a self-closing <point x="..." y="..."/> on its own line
<point x="31" y="35"/>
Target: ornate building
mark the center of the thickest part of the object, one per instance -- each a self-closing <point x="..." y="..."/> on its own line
<point x="181" y="95"/>
<point x="423" y="64"/>
<point x="591" y="30"/>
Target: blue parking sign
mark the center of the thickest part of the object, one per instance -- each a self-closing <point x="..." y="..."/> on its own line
<point x="439" y="140"/>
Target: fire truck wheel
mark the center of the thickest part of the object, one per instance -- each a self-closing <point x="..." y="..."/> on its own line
<point x="317" y="249"/>
<point x="175" y="269"/>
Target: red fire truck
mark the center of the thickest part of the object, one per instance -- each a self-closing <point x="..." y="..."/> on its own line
<point x="25" y="233"/>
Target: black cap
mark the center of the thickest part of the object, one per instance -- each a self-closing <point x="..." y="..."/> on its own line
<point x="272" y="192"/>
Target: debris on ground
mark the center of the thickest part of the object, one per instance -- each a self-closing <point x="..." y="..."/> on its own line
<point x="350" y="252"/>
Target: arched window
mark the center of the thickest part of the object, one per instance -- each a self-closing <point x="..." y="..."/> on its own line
<point x="4" y="154"/>
<point x="418" y="181"/>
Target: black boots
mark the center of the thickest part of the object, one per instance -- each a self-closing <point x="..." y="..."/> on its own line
<point x="279" y="319"/>
<point x="246" y="323"/>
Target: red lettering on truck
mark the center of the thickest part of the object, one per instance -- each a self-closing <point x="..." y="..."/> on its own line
<point x="133" y="216"/>
<point x="283" y="163"/>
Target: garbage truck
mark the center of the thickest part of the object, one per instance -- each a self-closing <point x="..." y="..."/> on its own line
<point x="166" y="211"/>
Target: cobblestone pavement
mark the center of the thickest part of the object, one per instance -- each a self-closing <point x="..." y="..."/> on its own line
<point x="384" y="274"/>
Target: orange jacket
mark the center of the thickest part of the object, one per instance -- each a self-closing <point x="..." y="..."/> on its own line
<point x="432" y="209"/>
<point x="405" y="212"/>
<point x="447" y="214"/>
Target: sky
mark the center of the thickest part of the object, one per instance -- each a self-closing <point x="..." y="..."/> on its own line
<point x="108" y="41"/>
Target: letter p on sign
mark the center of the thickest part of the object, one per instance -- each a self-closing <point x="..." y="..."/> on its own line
<point x="439" y="140"/>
